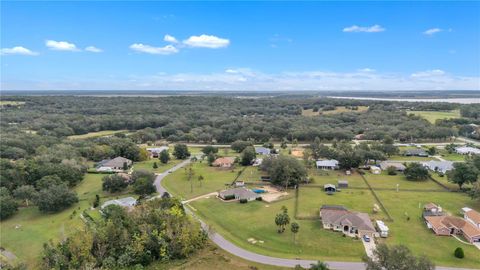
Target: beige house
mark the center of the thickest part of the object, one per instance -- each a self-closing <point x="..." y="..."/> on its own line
<point x="224" y="162"/>
<point x="339" y="218"/>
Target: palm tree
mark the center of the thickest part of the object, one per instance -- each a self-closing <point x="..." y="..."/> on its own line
<point x="294" y="227"/>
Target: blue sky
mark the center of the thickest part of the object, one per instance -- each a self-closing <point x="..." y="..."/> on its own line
<point x="240" y="45"/>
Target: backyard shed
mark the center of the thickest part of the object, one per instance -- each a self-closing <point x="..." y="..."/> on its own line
<point x="342" y="184"/>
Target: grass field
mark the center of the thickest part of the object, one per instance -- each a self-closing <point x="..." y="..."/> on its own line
<point x="410" y="158"/>
<point x="96" y="134"/>
<point x="239" y="222"/>
<point x="148" y="165"/>
<point x="11" y="103"/>
<point x="384" y="180"/>
<point x="414" y="233"/>
<point x="36" y="228"/>
<point x="310" y="199"/>
<point x="432" y="116"/>
<point x="214" y="179"/>
<point x="322" y="177"/>
<point x="452" y="157"/>
<point x="339" y="109"/>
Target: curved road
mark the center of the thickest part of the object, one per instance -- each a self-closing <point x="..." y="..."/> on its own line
<point x="254" y="257"/>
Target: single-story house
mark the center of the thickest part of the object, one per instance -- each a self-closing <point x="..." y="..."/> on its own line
<point x="239" y="193"/>
<point x="342" y="183"/>
<point x="449" y="225"/>
<point x="382" y="228"/>
<point x="224" y="162"/>
<point x="473" y="217"/>
<point x="467" y="150"/>
<point x="415" y="152"/>
<point x="375" y="170"/>
<point x="438" y="166"/>
<point x="338" y="218"/>
<point x="431" y="209"/>
<point x="155" y="151"/>
<point x="127" y="202"/>
<point x="262" y="150"/>
<point x="329" y="164"/>
<point x="329" y="188"/>
<point x="384" y="165"/>
<point x="113" y="165"/>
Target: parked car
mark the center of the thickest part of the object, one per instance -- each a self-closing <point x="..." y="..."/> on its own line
<point x="366" y="238"/>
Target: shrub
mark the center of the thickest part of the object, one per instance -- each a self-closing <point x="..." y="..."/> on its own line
<point x="459" y="253"/>
<point x="229" y="197"/>
<point x="259" y="199"/>
<point x="243" y="200"/>
<point x="391" y="171"/>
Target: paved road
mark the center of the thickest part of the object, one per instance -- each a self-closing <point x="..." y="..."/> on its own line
<point x="254" y="257"/>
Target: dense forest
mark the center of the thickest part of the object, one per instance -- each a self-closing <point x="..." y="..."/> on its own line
<point x="219" y="119"/>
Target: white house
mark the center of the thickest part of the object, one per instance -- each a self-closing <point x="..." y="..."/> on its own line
<point x="155" y="151"/>
<point x="329" y="164"/>
<point x="382" y="228"/>
<point x="467" y="150"/>
<point x="375" y="170"/>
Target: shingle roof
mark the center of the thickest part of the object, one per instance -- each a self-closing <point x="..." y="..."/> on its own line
<point x="441" y="166"/>
<point x="123" y="202"/>
<point x="473" y="215"/>
<point x="397" y="165"/>
<point x="467" y="150"/>
<point x="224" y="160"/>
<point x="415" y="152"/>
<point x="262" y="150"/>
<point x="327" y="163"/>
<point x="344" y="217"/>
<point x="116" y="162"/>
<point x="239" y="192"/>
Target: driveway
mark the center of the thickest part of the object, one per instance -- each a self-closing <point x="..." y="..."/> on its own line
<point x="369" y="247"/>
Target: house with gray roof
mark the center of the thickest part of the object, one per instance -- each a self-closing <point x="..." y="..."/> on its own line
<point x="467" y="150"/>
<point x="262" y="150"/>
<point x="419" y="152"/>
<point x="328" y="164"/>
<point x="238" y="193"/>
<point x="113" y="165"/>
<point x="339" y="218"/>
<point x="384" y="165"/>
<point x="438" y="166"/>
<point x="155" y="151"/>
<point x="127" y="202"/>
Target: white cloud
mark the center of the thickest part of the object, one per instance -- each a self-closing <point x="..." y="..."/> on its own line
<point x="93" y="49"/>
<point x="61" y="45"/>
<point x="432" y="31"/>
<point x="368" y="29"/>
<point x="206" y="41"/>
<point x="428" y="73"/>
<point x="169" y="38"/>
<point x="17" y="50"/>
<point x="166" y="50"/>
<point x="366" y="70"/>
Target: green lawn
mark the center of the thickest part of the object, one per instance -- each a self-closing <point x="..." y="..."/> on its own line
<point x="96" y="134"/>
<point x="310" y="199"/>
<point x="452" y="157"/>
<point x="410" y="158"/>
<point x="384" y="180"/>
<point x="148" y="165"/>
<point x="322" y="177"/>
<point x="414" y="233"/>
<point x="432" y="116"/>
<point x="215" y="179"/>
<point x="239" y="222"/>
<point x="36" y="228"/>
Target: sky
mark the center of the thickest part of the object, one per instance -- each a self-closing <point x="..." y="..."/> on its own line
<point x="240" y="45"/>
